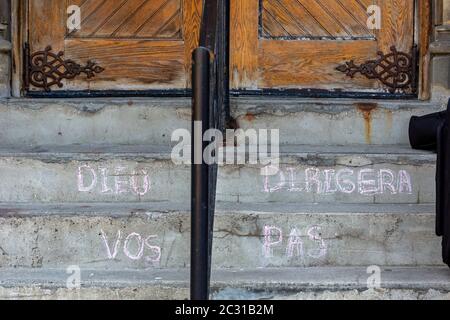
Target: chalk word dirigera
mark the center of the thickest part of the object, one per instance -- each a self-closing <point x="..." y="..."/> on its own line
<point x="366" y="181"/>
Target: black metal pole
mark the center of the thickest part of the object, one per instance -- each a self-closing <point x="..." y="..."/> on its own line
<point x="225" y="52"/>
<point x="200" y="184"/>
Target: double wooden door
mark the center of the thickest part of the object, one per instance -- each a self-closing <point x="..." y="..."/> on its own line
<point x="122" y="44"/>
<point x="329" y="45"/>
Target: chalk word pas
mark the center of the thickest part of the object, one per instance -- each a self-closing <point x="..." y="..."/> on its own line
<point x="296" y="245"/>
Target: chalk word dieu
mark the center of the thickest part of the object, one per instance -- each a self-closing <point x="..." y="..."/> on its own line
<point x="135" y="247"/>
<point x="117" y="180"/>
<point x="366" y="182"/>
<point x="296" y="244"/>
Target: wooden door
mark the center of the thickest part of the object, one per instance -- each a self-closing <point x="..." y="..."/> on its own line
<point x="120" y="44"/>
<point x="323" y="45"/>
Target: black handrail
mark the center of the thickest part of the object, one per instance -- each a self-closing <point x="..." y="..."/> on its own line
<point x="210" y="95"/>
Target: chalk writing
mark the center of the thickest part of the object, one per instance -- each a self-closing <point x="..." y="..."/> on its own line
<point x="295" y="242"/>
<point x="118" y="180"/>
<point x="135" y="247"/>
<point x="366" y="182"/>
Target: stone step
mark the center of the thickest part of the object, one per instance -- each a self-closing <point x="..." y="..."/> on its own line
<point x="333" y="122"/>
<point x="157" y="235"/>
<point x="311" y="174"/>
<point x="35" y="122"/>
<point x="424" y="283"/>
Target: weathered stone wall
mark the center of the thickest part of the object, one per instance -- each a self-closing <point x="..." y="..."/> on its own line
<point x="4" y="68"/>
<point x="5" y="47"/>
<point x="447" y="11"/>
<point x="441" y="77"/>
<point x="5" y="61"/>
<point x="441" y="55"/>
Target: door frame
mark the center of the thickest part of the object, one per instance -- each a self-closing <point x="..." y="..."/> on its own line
<point x="422" y="36"/>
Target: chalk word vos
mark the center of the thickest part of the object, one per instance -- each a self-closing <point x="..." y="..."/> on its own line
<point x="135" y="247"/>
<point x="118" y="180"/>
<point x="366" y="182"/>
<point x="296" y="244"/>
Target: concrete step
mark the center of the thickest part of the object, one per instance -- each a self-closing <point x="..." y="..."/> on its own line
<point x="425" y="283"/>
<point x="34" y="122"/>
<point x="332" y="122"/>
<point x="311" y="174"/>
<point x="157" y="235"/>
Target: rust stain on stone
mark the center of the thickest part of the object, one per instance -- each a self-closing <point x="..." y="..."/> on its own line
<point x="249" y="117"/>
<point x="389" y="120"/>
<point x="366" y="109"/>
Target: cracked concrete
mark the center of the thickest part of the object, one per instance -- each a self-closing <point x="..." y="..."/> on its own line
<point x="328" y="237"/>
<point x="425" y="283"/>
<point x="152" y="120"/>
<point x="171" y="293"/>
<point x="97" y="173"/>
<point x="102" y="231"/>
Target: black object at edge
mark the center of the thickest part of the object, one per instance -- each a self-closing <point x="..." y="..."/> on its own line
<point x="431" y="132"/>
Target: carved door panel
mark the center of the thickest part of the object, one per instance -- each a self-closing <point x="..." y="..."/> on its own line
<point x="118" y="45"/>
<point x="322" y="44"/>
<point x="275" y="44"/>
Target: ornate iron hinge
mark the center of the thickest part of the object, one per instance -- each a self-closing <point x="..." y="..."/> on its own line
<point x="45" y="69"/>
<point x="396" y="70"/>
